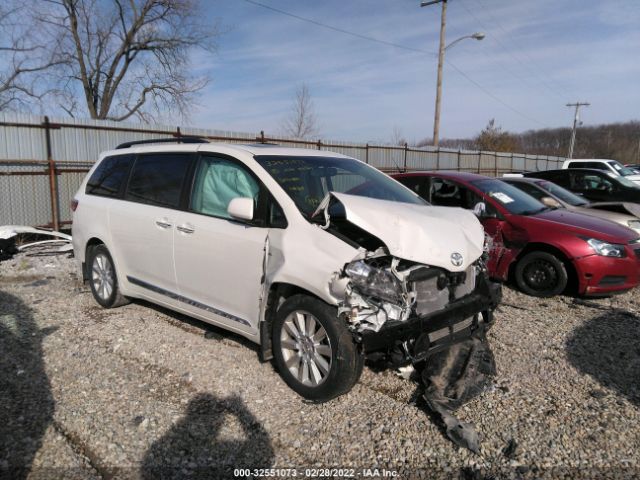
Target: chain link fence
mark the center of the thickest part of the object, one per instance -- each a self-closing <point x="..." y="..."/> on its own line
<point x="43" y="160"/>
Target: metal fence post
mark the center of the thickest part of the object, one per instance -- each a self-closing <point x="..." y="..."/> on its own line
<point x="366" y="153"/>
<point x="495" y="163"/>
<point x="53" y="184"/>
<point x="319" y="144"/>
<point x="512" y="161"/>
<point x="406" y="147"/>
<point x="479" y="159"/>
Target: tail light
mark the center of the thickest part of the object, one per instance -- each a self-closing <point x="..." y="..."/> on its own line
<point x="74" y="205"/>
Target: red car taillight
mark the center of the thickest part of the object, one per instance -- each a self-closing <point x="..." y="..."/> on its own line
<point x="74" y="205"/>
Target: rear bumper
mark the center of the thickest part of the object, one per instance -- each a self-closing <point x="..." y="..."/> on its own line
<point x="438" y="330"/>
<point x="598" y="275"/>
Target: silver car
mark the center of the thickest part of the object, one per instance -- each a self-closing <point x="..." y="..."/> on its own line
<point x="554" y="196"/>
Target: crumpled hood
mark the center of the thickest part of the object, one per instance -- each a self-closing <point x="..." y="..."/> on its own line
<point x="421" y="233"/>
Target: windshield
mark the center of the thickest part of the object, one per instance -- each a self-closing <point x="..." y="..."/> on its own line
<point x="563" y="194"/>
<point x="515" y="201"/>
<point x="307" y="180"/>
<point x="626" y="182"/>
<point x="621" y="169"/>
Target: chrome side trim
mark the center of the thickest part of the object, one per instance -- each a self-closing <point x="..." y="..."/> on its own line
<point x="186" y="300"/>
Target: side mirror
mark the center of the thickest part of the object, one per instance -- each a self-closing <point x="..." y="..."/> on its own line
<point x="241" y="208"/>
<point x="480" y="210"/>
<point x="550" y="202"/>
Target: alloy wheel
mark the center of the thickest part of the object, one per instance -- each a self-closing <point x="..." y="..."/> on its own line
<point x="306" y="348"/>
<point x="102" y="276"/>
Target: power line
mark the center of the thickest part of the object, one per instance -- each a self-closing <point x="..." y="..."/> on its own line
<point x="543" y="81"/>
<point x="396" y="45"/>
<point x="497" y="99"/>
<point x="524" y="78"/>
<point x="340" y="30"/>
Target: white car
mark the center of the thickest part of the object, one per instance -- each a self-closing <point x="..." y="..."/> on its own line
<point x="317" y="257"/>
<point x="612" y="167"/>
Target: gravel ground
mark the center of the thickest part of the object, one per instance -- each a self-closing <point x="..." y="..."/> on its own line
<point x="141" y="392"/>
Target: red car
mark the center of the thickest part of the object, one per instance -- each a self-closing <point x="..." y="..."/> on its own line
<point x="544" y="250"/>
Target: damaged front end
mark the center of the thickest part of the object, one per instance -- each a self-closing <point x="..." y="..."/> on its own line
<point x="419" y="283"/>
<point x="406" y="311"/>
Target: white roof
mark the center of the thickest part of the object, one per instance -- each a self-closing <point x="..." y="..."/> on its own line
<point x="253" y="149"/>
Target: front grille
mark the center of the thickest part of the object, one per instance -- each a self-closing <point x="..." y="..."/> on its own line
<point x="430" y="298"/>
<point x="611" y="280"/>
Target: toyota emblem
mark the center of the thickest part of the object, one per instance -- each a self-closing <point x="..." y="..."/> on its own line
<point x="456" y="259"/>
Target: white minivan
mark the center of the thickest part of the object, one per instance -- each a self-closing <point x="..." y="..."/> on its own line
<point x="318" y="258"/>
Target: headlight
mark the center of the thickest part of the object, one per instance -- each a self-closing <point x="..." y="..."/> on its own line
<point x="635" y="224"/>
<point x="606" y="249"/>
<point x="373" y="281"/>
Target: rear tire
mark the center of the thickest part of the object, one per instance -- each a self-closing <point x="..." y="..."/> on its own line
<point x="541" y="274"/>
<point x="103" y="280"/>
<point x="314" y="351"/>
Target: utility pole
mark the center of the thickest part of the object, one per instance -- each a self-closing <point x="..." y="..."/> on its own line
<point x="443" y="22"/>
<point x="577" y="106"/>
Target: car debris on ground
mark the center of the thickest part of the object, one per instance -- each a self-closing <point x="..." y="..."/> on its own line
<point x="60" y="243"/>
<point x="455" y="376"/>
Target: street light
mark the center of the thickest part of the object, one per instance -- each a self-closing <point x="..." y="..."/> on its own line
<point x="475" y="36"/>
<point x="443" y="21"/>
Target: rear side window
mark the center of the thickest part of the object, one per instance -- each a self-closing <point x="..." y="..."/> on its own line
<point x="596" y="165"/>
<point x="108" y="178"/>
<point x="419" y="185"/>
<point x="158" y="179"/>
<point x="561" y="177"/>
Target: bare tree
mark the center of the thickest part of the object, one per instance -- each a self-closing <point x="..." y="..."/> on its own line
<point x="397" y="138"/>
<point x="492" y="138"/>
<point x="302" y="121"/>
<point x="24" y="59"/>
<point x="123" y="58"/>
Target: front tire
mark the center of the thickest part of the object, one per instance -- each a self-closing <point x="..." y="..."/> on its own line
<point x="103" y="279"/>
<point x="541" y="274"/>
<point x="314" y="351"/>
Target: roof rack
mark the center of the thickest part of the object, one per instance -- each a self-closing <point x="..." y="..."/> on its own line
<point x="181" y="139"/>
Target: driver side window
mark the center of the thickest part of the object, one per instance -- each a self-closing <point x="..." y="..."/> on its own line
<point x="217" y="182"/>
<point x="589" y="182"/>
<point x="446" y="193"/>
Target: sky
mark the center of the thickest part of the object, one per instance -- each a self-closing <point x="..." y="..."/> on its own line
<point x="537" y="56"/>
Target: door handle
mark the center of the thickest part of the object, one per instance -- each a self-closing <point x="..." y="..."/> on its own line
<point x="163" y="223"/>
<point x="185" y="228"/>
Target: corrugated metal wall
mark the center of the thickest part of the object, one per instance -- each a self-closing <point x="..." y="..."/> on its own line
<point x="26" y="165"/>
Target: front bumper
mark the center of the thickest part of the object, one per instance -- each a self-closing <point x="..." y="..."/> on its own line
<point x="598" y="275"/>
<point x="438" y="330"/>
